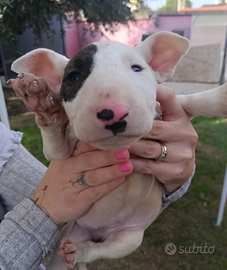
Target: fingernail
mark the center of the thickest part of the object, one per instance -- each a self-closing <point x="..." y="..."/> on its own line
<point x="52" y="100"/>
<point x="122" y="154"/>
<point x="120" y="179"/>
<point x="126" y="167"/>
<point x="35" y="83"/>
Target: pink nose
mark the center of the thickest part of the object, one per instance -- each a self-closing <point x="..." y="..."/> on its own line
<point x="112" y="113"/>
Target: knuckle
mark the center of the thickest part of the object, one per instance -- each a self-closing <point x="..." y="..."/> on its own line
<point x="188" y="155"/>
<point x="147" y="166"/>
<point x="194" y="138"/>
<point x="191" y="135"/>
<point x="169" y="93"/>
<point x="91" y="178"/>
<point x="157" y="128"/>
<point x="149" y="149"/>
<point x="179" y="171"/>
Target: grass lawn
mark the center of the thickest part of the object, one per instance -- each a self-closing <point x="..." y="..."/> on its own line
<point x="187" y="222"/>
<point x="32" y="141"/>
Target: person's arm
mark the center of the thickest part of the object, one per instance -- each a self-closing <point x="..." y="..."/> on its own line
<point x="177" y="133"/>
<point x="26" y="237"/>
<point x="30" y="231"/>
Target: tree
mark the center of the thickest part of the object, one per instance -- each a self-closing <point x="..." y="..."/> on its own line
<point x="171" y="5"/>
<point x="142" y="11"/>
<point x="188" y="3"/>
<point x="17" y="15"/>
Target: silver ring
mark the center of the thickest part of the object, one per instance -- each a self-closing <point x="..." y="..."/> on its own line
<point x="163" y="154"/>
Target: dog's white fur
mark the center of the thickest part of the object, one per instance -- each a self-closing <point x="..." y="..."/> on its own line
<point x="121" y="217"/>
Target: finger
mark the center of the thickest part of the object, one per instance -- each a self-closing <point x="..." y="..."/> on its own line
<point x="164" y="131"/>
<point x="102" y="175"/>
<point x="175" y="153"/>
<point x="163" y="171"/>
<point x="146" y="149"/>
<point x="93" y="194"/>
<point x="98" y="159"/>
<point x="171" y="107"/>
<point x="82" y="147"/>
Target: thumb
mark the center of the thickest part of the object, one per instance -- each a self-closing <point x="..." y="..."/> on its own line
<point x="170" y="106"/>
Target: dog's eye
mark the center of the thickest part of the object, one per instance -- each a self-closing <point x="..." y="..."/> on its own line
<point x="136" y="68"/>
<point x="73" y="76"/>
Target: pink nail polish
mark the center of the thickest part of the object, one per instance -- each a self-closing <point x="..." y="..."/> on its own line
<point x="122" y="154"/>
<point x="126" y="167"/>
<point x="120" y="179"/>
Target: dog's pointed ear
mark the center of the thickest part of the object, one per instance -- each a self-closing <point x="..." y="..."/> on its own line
<point x="162" y="51"/>
<point x="43" y="63"/>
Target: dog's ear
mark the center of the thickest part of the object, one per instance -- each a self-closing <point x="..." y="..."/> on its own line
<point x="43" y="63"/>
<point x="162" y="51"/>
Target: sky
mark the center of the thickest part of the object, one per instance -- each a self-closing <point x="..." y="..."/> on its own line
<point x="155" y="4"/>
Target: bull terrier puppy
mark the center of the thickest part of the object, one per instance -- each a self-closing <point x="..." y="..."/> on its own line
<point x="108" y="99"/>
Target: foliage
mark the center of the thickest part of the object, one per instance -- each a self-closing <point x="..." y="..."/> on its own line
<point x="142" y="11"/>
<point x="171" y="5"/>
<point x="17" y="15"/>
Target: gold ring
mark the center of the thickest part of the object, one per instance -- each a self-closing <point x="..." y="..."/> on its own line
<point x="163" y="154"/>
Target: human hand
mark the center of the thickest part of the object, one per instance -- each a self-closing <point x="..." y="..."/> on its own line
<point x="71" y="186"/>
<point x="178" y="134"/>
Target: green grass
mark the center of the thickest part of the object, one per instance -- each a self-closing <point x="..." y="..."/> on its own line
<point x="32" y="141"/>
<point x="192" y="219"/>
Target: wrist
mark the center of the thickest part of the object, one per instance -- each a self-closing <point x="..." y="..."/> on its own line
<point x="45" y="210"/>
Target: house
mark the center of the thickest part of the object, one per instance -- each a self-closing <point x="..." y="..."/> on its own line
<point x="208" y="24"/>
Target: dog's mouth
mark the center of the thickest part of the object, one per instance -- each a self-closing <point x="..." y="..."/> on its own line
<point x="116" y="142"/>
<point x="117" y="127"/>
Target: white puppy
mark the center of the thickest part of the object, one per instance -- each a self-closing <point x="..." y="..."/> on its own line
<point x="108" y="91"/>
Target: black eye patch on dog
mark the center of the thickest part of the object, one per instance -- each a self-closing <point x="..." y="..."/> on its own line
<point x="77" y="71"/>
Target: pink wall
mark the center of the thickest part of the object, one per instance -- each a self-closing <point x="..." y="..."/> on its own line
<point x="170" y="23"/>
<point x="76" y="38"/>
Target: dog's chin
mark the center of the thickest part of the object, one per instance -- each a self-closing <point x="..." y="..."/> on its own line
<point x="116" y="143"/>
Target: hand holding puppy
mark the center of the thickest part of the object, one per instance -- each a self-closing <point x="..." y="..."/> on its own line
<point x="70" y="187"/>
<point x="178" y="134"/>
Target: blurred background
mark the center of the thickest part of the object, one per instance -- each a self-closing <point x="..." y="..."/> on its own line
<point x="66" y="27"/>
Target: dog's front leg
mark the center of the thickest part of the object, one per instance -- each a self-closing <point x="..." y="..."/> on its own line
<point x="58" y="138"/>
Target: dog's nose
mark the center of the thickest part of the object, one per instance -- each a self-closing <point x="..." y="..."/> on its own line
<point x="105" y="115"/>
<point x="113" y="115"/>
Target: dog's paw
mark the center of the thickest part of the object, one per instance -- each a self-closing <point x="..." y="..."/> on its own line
<point x="67" y="253"/>
<point x="40" y="99"/>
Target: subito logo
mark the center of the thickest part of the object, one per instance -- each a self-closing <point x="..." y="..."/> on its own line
<point x="170" y="249"/>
